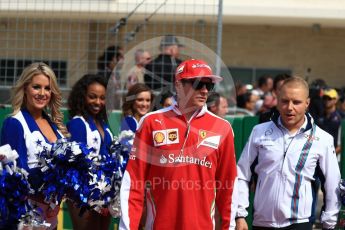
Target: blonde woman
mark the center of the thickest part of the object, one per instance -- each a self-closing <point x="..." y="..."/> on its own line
<point x="36" y="122"/>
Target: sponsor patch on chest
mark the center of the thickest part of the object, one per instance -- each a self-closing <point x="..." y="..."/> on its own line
<point x="266" y="142"/>
<point x="209" y="139"/>
<point x="311" y="137"/>
<point x="165" y="137"/>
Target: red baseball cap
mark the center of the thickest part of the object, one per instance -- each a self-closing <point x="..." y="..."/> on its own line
<point x="194" y="68"/>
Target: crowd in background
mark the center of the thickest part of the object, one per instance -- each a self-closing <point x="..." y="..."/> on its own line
<point x="151" y="75"/>
<point x="327" y="105"/>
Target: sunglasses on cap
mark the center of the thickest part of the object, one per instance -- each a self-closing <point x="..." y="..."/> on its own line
<point x="197" y="84"/>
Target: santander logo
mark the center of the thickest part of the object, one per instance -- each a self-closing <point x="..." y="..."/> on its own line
<point x="172" y="159"/>
<point x="163" y="160"/>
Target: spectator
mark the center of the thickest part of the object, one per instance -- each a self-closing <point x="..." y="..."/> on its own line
<point x="136" y="73"/>
<point x="159" y="73"/>
<point x="283" y="156"/>
<point x="331" y="119"/>
<point x="316" y="107"/>
<point x="277" y="83"/>
<point x="247" y="103"/>
<point x="240" y="88"/>
<point x="217" y="104"/>
<point x="166" y="99"/>
<point x="88" y="125"/>
<point x="341" y="106"/>
<point x="108" y="61"/>
<point x="185" y="158"/>
<point x="265" y="86"/>
<point x="109" y="65"/>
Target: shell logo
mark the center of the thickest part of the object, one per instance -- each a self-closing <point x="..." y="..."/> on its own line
<point x="159" y="137"/>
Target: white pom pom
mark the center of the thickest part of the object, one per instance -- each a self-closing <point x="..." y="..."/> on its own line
<point x="7" y="154"/>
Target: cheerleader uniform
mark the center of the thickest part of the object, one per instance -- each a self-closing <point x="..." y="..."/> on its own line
<point x="22" y="133"/>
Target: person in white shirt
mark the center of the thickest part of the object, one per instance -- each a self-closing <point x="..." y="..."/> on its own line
<point x="283" y="155"/>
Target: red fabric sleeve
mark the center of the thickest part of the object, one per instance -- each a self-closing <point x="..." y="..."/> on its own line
<point x="225" y="180"/>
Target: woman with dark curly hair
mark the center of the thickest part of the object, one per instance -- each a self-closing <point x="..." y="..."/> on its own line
<point x="136" y="104"/>
<point x="89" y="125"/>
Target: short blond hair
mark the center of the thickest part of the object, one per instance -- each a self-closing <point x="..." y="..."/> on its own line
<point x="296" y="81"/>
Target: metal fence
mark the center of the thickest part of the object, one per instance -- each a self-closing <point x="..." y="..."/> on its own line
<point x="70" y="35"/>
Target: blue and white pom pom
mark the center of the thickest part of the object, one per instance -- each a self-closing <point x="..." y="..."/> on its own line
<point x="126" y="138"/>
<point x="107" y="178"/>
<point x="14" y="189"/>
<point x="66" y="172"/>
<point x="34" y="220"/>
<point x="74" y="171"/>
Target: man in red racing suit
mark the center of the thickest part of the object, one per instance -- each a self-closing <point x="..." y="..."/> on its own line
<point x="183" y="158"/>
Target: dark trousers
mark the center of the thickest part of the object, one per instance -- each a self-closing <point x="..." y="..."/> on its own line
<point x="301" y="226"/>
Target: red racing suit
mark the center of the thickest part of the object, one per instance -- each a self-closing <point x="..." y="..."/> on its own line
<point x="186" y="168"/>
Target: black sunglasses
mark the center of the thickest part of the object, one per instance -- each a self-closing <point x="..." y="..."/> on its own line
<point x="197" y="84"/>
<point x="327" y="98"/>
